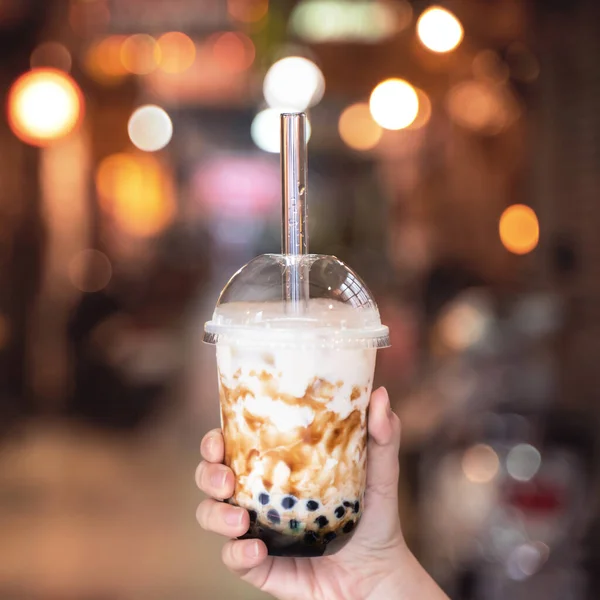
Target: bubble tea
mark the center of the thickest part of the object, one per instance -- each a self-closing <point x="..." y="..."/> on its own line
<point x="296" y="336"/>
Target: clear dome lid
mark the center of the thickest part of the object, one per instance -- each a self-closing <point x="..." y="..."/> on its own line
<point x="337" y="309"/>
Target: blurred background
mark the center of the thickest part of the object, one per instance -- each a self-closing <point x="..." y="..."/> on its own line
<point x="454" y="157"/>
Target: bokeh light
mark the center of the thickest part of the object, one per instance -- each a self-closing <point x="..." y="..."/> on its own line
<point x="136" y="191"/>
<point x="357" y="128"/>
<point x="102" y="60"/>
<point x="480" y="463"/>
<point x="295" y="83"/>
<point x="488" y="65"/>
<point x="266" y="130"/>
<point x="523" y="462"/>
<point x="424" y="113"/>
<point x="439" y="30"/>
<point x="233" y="51"/>
<point x="44" y="105"/>
<point x="526" y="560"/>
<point x="247" y="11"/>
<point x="177" y="52"/>
<point x="482" y="106"/>
<point x="150" y="128"/>
<point x="465" y="322"/>
<point x="519" y="229"/>
<point x="51" y="54"/>
<point x="140" y="54"/>
<point x="394" y="104"/>
<point x="90" y="270"/>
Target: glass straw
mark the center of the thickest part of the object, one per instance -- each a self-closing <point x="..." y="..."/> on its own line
<point x="294" y="232"/>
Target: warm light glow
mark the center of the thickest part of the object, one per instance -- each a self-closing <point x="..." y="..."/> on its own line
<point x="439" y="30"/>
<point x="247" y="11"/>
<point x="424" y="113"/>
<point x="150" y="128"/>
<point x="136" y="192"/>
<point x="480" y="463"/>
<point x="489" y="66"/>
<point x="233" y="51"/>
<point x="519" y="229"/>
<point x="294" y="82"/>
<point x="266" y="128"/>
<point x="394" y="104"/>
<point x="464" y="323"/>
<point x="140" y="54"/>
<point x="103" y="60"/>
<point x="90" y="271"/>
<point x="177" y="52"/>
<point x="53" y="55"/>
<point x="357" y="128"/>
<point x="44" y="105"/>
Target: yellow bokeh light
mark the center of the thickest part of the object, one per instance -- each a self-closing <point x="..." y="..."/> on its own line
<point x="357" y="128"/>
<point x="439" y="30"/>
<point x="137" y="192"/>
<point x="394" y="104"/>
<point x="177" y="52"/>
<point x="51" y="54"/>
<point x="424" y="113"/>
<point x="140" y="54"/>
<point x="247" y="11"/>
<point x="519" y="229"/>
<point x="103" y="60"/>
<point x="44" y="105"/>
<point x="480" y="463"/>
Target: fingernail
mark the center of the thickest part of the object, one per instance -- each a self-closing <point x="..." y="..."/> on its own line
<point x="210" y="444"/>
<point x="233" y="517"/>
<point x="388" y="406"/>
<point x="218" y="478"/>
<point x="251" y="550"/>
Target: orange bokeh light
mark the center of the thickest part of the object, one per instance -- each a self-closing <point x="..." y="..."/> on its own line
<point x="137" y="192"/>
<point x="103" y="60"/>
<point x="140" y="54"/>
<point x="357" y="128"/>
<point x="519" y="229"/>
<point x="177" y="52"/>
<point x="247" y="11"/>
<point x="44" y="105"/>
<point x="233" y="51"/>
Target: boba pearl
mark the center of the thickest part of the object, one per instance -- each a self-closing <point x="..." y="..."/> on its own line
<point x="312" y="505"/>
<point x="273" y="516"/>
<point x="288" y="502"/>
<point x="349" y="526"/>
<point x="348" y="504"/>
<point x="310" y="537"/>
<point x="340" y="511"/>
<point x="356" y="506"/>
<point x="322" y="521"/>
<point x="329" y="537"/>
<point x="253" y="516"/>
<point x="263" y="499"/>
<point x="294" y="524"/>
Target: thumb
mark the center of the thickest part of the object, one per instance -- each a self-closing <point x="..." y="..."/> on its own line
<point x="380" y="518"/>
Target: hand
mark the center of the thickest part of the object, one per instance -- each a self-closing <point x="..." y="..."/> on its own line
<point x="376" y="563"/>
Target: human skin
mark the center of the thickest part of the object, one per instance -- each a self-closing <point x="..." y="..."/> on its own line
<point x="375" y="565"/>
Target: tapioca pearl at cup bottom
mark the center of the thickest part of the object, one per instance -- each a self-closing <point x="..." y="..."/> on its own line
<point x="253" y="516"/>
<point x="310" y="537"/>
<point x="294" y="524"/>
<point x="349" y="526"/>
<point x="312" y="505"/>
<point x="340" y="511"/>
<point x="356" y="506"/>
<point x="322" y="521"/>
<point x="348" y="504"/>
<point x="328" y="537"/>
<point x="263" y="498"/>
<point x="288" y="502"/>
<point x="274" y="517"/>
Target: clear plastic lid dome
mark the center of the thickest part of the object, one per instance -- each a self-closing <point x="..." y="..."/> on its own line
<point x="337" y="309"/>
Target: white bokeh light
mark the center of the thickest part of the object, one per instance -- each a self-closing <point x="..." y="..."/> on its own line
<point x="394" y="104"/>
<point x="523" y="462"/>
<point x="150" y="128"/>
<point x="439" y="30"/>
<point x="266" y="129"/>
<point x="294" y="82"/>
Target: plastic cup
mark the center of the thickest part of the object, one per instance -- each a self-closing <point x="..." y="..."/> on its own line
<point x="294" y="392"/>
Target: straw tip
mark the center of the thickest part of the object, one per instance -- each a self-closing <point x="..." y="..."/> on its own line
<point x="288" y="115"/>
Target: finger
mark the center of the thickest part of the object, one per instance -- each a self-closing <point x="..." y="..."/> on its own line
<point x="247" y="559"/>
<point x="212" y="446"/>
<point x="381" y="500"/>
<point x="217" y="481"/>
<point x="221" y="518"/>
